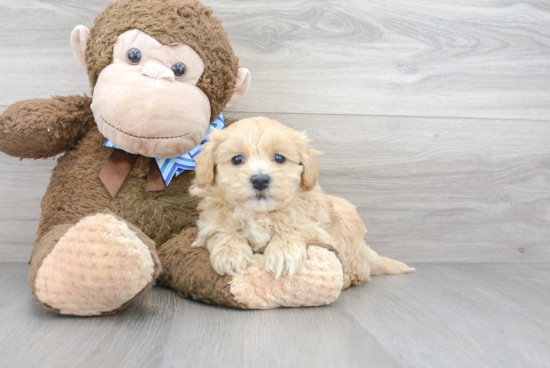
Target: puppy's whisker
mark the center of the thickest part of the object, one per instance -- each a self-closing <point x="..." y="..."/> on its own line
<point x="260" y="195"/>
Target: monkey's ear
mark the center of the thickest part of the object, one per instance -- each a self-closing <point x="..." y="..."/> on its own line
<point x="241" y="86"/>
<point x="79" y="38"/>
<point x="204" y="171"/>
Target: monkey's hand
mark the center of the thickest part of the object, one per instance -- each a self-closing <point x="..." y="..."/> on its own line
<point x="43" y="128"/>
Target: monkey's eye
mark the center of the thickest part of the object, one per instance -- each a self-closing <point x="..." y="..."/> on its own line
<point x="237" y="160"/>
<point x="280" y="159"/>
<point x="134" y="56"/>
<point x="179" y="69"/>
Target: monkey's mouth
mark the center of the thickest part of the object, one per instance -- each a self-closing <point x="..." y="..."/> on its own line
<point x="136" y="136"/>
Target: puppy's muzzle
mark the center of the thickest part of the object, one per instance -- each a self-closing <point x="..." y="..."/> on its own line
<point x="260" y="182"/>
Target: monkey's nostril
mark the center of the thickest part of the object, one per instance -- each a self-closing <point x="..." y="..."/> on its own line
<point x="260" y="182"/>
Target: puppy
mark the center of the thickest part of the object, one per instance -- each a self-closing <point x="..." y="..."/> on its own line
<point x="258" y="184"/>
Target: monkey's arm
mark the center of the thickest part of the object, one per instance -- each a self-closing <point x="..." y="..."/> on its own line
<point x="43" y="128"/>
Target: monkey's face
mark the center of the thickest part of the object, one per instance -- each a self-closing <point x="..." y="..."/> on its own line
<point x="147" y="101"/>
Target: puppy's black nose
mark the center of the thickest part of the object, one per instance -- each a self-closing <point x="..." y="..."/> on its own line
<point x="260" y="182"/>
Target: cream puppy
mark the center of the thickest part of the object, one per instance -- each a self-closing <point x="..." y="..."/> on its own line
<point x="258" y="184"/>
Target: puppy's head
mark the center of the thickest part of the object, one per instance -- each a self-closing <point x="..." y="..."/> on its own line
<point x="258" y="164"/>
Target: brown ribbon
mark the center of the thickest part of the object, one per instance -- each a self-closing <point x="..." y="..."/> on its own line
<point x="155" y="181"/>
<point x="118" y="166"/>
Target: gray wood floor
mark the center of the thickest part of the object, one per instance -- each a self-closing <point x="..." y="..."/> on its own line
<point x="491" y="315"/>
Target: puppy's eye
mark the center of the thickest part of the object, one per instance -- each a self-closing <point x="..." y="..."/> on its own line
<point x="237" y="160"/>
<point x="280" y="159"/>
<point x="134" y="56"/>
<point x="179" y="69"/>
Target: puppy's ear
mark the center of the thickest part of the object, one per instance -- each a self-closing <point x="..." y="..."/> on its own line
<point x="204" y="172"/>
<point x="309" y="161"/>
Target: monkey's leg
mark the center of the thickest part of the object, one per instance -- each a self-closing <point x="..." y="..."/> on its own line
<point x="188" y="270"/>
<point x="95" y="267"/>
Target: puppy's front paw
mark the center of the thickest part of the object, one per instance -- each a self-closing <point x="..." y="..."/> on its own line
<point x="231" y="259"/>
<point x="284" y="255"/>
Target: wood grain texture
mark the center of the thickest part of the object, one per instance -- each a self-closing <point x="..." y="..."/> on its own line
<point x="460" y="315"/>
<point x="409" y="58"/>
<point x="428" y="189"/>
<point x="440" y="316"/>
<point x="386" y="57"/>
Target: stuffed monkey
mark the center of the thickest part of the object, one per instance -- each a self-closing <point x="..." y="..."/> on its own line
<point x="114" y="219"/>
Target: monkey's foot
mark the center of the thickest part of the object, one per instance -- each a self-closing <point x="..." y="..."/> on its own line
<point x="318" y="282"/>
<point x="97" y="267"/>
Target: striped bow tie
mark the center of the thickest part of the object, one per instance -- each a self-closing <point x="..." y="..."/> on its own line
<point x="161" y="170"/>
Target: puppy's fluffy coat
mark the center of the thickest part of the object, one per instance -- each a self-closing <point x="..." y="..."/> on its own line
<point x="238" y="217"/>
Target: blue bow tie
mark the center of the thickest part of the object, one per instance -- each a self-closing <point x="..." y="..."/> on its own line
<point x="172" y="167"/>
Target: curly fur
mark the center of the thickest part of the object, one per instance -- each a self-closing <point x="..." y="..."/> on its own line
<point x="291" y="213"/>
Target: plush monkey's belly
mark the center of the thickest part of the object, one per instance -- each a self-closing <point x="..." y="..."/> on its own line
<point x="76" y="191"/>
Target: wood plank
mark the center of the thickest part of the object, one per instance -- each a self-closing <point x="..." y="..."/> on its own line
<point x="440" y="316"/>
<point x="440" y="190"/>
<point x="459" y="315"/>
<point x="385" y="57"/>
<point x="35" y="51"/>
<point x="429" y="190"/>
<point x="400" y="57"/>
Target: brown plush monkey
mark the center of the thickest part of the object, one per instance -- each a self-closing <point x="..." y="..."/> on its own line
<point x="161" y="71"/>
